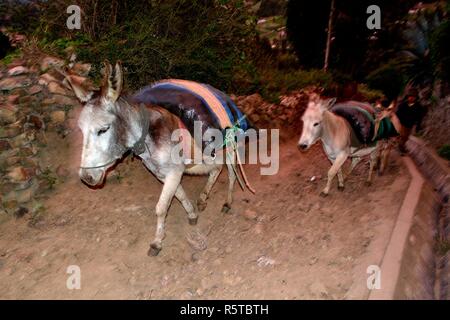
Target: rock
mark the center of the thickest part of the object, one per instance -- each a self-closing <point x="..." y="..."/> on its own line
<point x="56" y="88"/>
<point x="46" y="79"/>
<point x="200" y="292"/>
<point x="217" y="262"/>
<point x="318" y="289"/>
<point x="49" y="62"/>
<point x="13" y="98"/>
<point x="264" y="261"/>
<point x="231" y="280"/>
<point x="64" y="100"/>
<point x="20" y="212"/>
<point x="22" y="139"/>
<point x="258" y="228"/>
<point x="82" y="68"/>
<point x="35" y="121"/>
<point x="62" y="172"/>
<point x="17" y="174"/>
<point x="250" y="214"/>
<point x="24" y="196"/>
<point x="35" y="89"/>
<point x="4" y="145"/>
<point x="26" y="100"/>
<point x="9" y="205"/>
<point x="11" y="130"/>
<point x="17" y="71"/>
<point x="7" y="116"/>
<point x="10" y="160"/>
<point x="9" y="84"/>
<point x="313" y="261"/>
<point x="58" y="117"/>
<point x="48" y="101"/>
<point x="28" y="151"/>
<point x="7" y="187"/>
<point x="197" y="240"/>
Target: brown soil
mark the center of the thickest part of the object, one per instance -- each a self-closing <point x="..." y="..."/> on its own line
<point x="292" y="244"/>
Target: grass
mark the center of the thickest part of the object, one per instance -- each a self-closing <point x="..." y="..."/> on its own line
<point x="442" y="247"/>
<point x="10" y="57"/>
<point x="37" y="214"/>
<point x="444" y="151"/>
<point x="49" y="177"/>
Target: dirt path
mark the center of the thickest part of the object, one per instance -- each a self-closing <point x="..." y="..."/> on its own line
<point x="285" y="242"/>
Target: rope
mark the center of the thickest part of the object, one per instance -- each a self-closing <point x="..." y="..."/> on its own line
<point x="100" y="166"/>
<point x="230" y="141"/>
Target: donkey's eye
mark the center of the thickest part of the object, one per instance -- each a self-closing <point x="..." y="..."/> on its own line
<point x="102" y="131"/>
<point x="316" y="124"/>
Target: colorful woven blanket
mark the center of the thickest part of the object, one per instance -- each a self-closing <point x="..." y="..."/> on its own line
<point x="361" y="118"/>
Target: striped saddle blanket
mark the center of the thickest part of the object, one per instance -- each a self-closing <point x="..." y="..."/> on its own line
<point x="361" y="117"/>
<point x="192" y="101"/>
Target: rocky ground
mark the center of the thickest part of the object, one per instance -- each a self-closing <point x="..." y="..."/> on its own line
<point x="284" y="242"/>
<point x="34" y="103"/>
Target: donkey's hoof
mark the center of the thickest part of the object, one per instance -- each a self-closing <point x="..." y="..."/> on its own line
<point x="380" y="173"/>
<point x="154" y="250"/>
<point x="368" y="183"/>
<point x="341" y="188"/>
<point x="193" y="221"/>
<point x="201" y="205"/>
<point x="226" y="208"/>
<point x="323" y="194"/>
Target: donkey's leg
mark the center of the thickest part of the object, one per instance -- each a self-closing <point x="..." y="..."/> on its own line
<point x="337" y="164"/>
<point x="213" y="175"/>
<point x="355" y="161"/>
<point x="340" y="180"/>
<point x="373" y="161"/>
<point x="187" y="205"/>
<point x="231" y="180"/>
<point x="386" y="150"/>
<point x="171" y="183"/>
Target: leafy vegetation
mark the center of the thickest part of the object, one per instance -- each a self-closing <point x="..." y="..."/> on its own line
<point x="10" y="57"/>
<point x="221" y="42"/>
<point x="444" y="151"/>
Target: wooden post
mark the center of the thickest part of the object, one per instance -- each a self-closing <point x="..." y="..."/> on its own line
<point x="329" y="31"/>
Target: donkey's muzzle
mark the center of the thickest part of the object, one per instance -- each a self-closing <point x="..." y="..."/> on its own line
<point x="91" y="177"/>
<point x="302" y="146"/>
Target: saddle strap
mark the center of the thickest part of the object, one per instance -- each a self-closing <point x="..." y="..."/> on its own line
<point x="139" y="147"/>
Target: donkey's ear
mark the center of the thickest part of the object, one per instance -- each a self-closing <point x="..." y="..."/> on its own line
<point x="330" y="102"/>
<point x="112" y="81"/>
<point x="314" y="98"/>
<point x="82" y="92"/>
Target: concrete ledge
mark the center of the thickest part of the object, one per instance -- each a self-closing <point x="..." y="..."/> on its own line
<point x="392" y="259"/>
<point x="412" y="266"/>
<point x="437" y="171"/>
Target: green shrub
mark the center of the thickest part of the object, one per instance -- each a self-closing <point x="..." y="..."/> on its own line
<point x="10" y="57"/>
<point x="201" y="40"/>
<point x="440" y="52"/>
<point x="369" y="94"/>
<point x="388" y="79"/>
<point x="444" y="151"/>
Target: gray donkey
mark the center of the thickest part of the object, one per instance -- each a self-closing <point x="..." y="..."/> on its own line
<point x="113" y="124"/>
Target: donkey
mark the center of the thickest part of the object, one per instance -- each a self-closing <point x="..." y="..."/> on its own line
<point x="319" y="123"/>
<point x="113" y="124"/>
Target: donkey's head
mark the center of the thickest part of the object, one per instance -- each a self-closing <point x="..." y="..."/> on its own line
<point x="312" y="121"/>
<point x="105" y="122"/>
